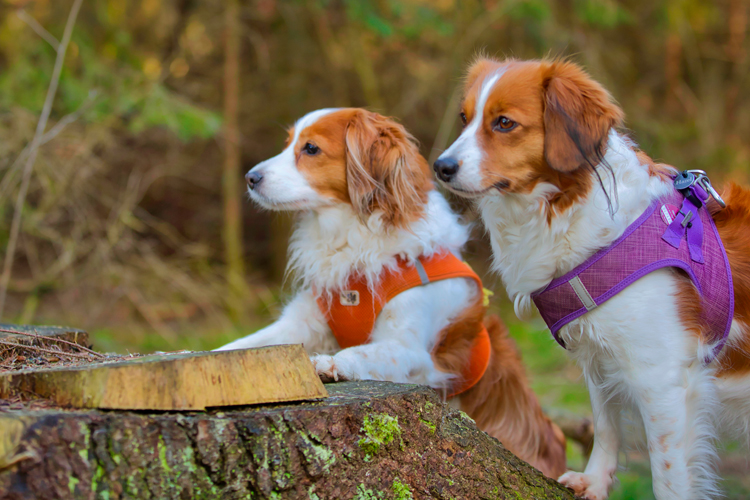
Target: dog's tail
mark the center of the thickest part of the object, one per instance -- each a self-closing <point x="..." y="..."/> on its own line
<point x="503" y="405"/>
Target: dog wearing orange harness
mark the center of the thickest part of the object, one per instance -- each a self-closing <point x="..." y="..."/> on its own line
<point x="382" y="291"/>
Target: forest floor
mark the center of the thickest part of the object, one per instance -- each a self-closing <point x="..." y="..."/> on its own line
<point x="556" y="380"/>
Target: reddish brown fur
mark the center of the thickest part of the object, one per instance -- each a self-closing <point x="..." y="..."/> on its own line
<point x="733" y="224"/>
<point x="369" y="161"/>
<point x="326" y="171"/>
<point x="502" y="403"/>
<point x="661" y="170"/>
<point x="687" y="296"/>
<point x="395" y="177"/>
<point x="551" y="101"/>
<point x="688" y="304"/>
<point x="573" y="101"/>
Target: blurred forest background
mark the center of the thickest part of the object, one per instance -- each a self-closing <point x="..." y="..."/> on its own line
<point x="134" y="222"/>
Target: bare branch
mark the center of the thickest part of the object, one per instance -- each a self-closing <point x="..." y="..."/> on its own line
<point x="53" y="339"/>
<point x="41" y="349"/>
<point x="38" y="29"/>
<point x="48" y="136"/>
<point x="33" y="149"/>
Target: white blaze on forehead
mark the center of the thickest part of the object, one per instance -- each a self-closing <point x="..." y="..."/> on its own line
<point x="484" y="94"/>
<point x="307" y="120"/>
<point x="466" y="148"/>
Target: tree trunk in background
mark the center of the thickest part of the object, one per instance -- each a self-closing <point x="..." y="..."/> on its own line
<point x="231" y="191"/>
<point x="368" y="440"/>
<point x="735" y="50"/>
<point x="673" y="71"/>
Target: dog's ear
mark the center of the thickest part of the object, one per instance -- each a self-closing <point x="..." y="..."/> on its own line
<point x="384" y="170"/>
<point x="578" y="115"/>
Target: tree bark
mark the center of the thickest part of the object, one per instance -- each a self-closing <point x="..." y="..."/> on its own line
<point x="368" y="440"/>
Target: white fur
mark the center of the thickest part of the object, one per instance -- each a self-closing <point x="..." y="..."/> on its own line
<point x="633" y="349"/>
<point x="329" y="244"/>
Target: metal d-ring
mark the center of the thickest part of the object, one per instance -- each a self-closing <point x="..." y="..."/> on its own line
<point x="701" y="177"/>
<point x="706" y="183"/>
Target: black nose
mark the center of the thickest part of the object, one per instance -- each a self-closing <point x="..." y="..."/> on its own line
<point x="445" y="168"/>
<point x="253" y="179"/>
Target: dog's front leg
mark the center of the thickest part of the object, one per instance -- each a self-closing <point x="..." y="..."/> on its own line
<point x="385" y="360"/>
<point x="300" y="323"/>
<point x="597" y="479"/>
<point x="403" y="337"/>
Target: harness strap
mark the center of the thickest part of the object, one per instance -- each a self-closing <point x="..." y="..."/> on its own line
<point x="686" y="239"/>
<point x="351" y="312"/>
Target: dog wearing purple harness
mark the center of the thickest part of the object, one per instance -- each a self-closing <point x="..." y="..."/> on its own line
<point x="639" y="270"/>
<point x="674" y="231"/>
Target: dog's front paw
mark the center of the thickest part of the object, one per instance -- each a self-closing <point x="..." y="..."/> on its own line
<point x="585" y="485"/>
<point x="327" y="369"/>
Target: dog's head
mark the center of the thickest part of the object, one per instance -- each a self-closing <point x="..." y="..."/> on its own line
<point x="527" y="122"/>
<point x="346" y="156"/>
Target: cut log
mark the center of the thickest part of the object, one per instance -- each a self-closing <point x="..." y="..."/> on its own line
<point x="192" y="381"/>
<point x="368" y="440"/>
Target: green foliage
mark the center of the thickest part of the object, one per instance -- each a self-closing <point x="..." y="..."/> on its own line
<point x="161" y="108"/>
<point x="397" y="18"/>
<point x="115" y="70"/>
<point x="530" y="10"/>
<point x="602" y="13"/>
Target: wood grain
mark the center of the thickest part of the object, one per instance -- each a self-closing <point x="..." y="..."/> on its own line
<point x="192" y="381"/>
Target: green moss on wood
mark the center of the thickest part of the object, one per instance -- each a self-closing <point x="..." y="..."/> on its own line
<point x="363" y="493"/>
<point x="380" y="429"/>
<point x="401" y="491"/>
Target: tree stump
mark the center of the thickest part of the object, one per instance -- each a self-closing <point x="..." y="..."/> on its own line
<point x="368" y="440"/>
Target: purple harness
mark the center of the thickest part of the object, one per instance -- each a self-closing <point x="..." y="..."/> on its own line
<point x="652" y="242"/>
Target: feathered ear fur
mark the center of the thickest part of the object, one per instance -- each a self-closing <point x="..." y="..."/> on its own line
<point x="578" y="115"/>
<point x="384" y="170"/>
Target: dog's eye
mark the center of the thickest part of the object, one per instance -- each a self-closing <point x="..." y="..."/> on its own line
<point x="504" y="124"/>
<point x="311" y="149"/>
<point x="463" y="118"/>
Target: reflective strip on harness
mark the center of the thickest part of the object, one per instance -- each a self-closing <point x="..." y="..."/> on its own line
<point x="582" y="293"/>
<point x="422" y="273"/>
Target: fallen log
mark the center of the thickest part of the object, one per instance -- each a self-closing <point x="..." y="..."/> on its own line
<point x="367" y="440"/>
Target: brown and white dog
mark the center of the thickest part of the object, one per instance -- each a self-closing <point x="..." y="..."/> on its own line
<point x="555" y="182"/>
<point x="365" y="201"/>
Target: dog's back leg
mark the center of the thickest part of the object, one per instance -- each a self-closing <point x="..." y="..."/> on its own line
<point x="678" y="411"/>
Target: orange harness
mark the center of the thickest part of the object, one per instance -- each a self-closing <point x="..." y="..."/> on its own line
<point x="352" y="314"/>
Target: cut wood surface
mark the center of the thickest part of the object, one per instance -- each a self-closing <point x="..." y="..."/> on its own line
<point x="191" y="381"/>
<point x="367" y="441"/>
